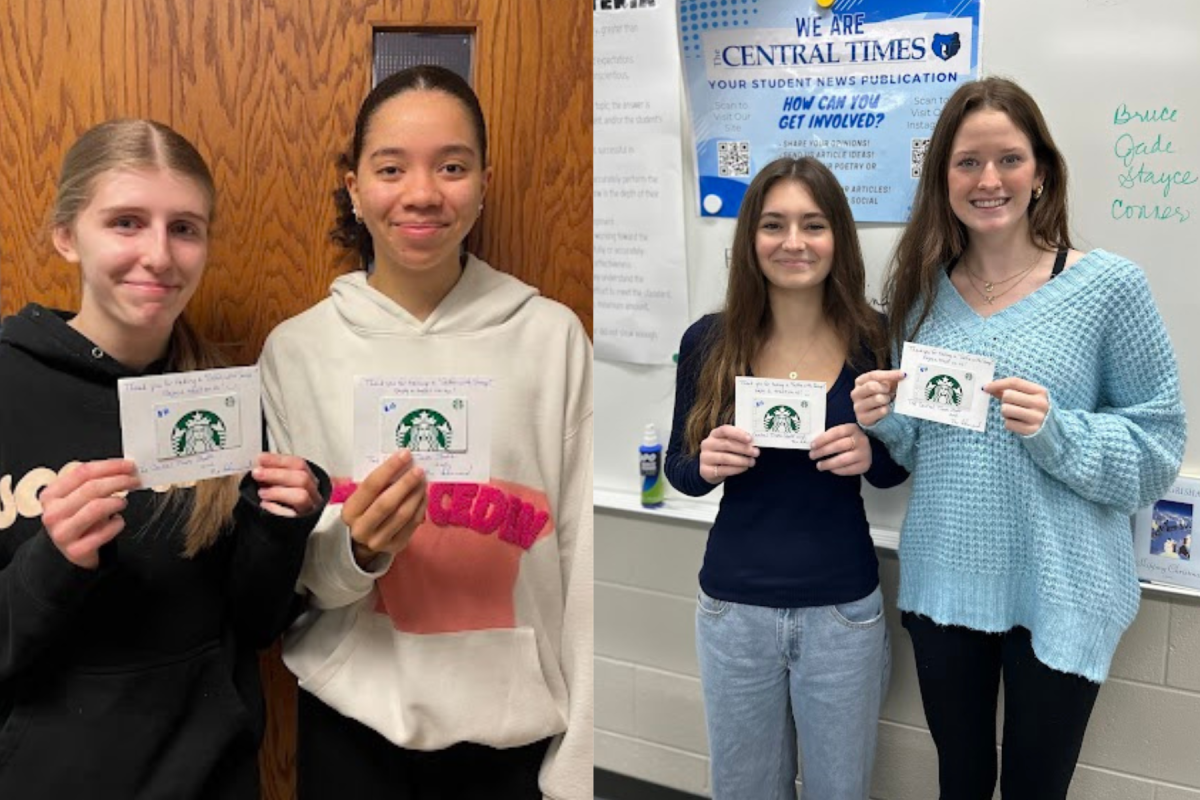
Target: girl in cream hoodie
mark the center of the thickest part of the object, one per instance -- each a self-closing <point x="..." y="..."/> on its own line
<point x="448" y="647"/>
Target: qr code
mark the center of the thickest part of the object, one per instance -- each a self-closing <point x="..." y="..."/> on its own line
<point x="733" y="159"/>
<point x="919" y="146"/>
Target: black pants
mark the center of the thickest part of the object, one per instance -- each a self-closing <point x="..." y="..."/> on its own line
<point x="1045" y="712"/>
<point x="341" y="759"/>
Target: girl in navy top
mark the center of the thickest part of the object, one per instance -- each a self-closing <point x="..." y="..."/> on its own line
<point x="790" y="632"/>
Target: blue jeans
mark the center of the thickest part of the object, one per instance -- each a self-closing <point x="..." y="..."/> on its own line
<point x="771" y="675"/>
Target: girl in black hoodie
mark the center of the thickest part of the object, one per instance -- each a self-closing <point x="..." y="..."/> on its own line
<point x="129" y="619"/>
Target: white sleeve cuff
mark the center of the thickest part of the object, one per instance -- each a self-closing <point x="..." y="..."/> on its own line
<point x="330" y="574"/>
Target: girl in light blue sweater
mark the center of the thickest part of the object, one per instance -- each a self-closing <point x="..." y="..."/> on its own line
<point x="1016" y="558"/>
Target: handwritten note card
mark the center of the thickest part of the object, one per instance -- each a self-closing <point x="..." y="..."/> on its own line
<point x="445" y="421"/>
<point x="779" y="413"/>
<point x="189" y="426"/>
<point x="944" y="386"/>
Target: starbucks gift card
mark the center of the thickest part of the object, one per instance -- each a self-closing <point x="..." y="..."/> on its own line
<point x="445" y="421"/>
<point x="425" y="424"/>
<point x="780" y="413"/>
<point x="190" y="426"/>
<point x="944" y="386"/>
<point x="197" y="425"/>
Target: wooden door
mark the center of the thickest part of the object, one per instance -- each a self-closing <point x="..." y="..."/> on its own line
<point x="268" y="93"/>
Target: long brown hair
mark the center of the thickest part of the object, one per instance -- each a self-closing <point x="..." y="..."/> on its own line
<point x="144" y="144"/>
<point x="934" y="235"/>
<point x="745" y="320"/>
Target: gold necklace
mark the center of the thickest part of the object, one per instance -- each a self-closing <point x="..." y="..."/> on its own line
<point x="796" y="372"/>
<point x="988" y="292"/>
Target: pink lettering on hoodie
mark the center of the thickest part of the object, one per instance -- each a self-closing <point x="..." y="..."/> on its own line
<point x="460" y="569"/>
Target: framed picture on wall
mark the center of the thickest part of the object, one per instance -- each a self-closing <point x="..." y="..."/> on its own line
<point x="1164" y="546"/>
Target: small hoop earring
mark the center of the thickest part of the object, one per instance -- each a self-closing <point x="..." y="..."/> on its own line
<point x="357" y="216"/>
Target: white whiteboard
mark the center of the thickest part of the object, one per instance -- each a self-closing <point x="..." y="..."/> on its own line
<point x="1081" y="60"/>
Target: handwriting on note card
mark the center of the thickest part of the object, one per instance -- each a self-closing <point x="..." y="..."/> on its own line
<point x="183" y="427"/>
<point x="443" y="420"/>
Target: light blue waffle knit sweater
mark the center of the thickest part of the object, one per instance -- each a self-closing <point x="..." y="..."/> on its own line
<point x="1004" y="530"/>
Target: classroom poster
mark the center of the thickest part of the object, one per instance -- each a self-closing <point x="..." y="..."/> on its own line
<point x="1162" y="536"/>
<point x="638" y="252"/>
<point x="858" y="85"/>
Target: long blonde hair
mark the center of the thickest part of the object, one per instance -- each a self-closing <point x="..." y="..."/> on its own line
<point x="144" y="144"/>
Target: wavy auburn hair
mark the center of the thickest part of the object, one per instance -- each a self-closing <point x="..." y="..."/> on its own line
<point x="934" y="236"/>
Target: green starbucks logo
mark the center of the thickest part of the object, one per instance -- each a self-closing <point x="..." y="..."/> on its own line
<point x="424" y="430"/>
<point x="944" y="390"/>
<point x="198" y="432"/>
<point x="782" y="420"/>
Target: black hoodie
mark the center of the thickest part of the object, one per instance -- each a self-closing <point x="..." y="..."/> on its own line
<point x="138" y="680"/>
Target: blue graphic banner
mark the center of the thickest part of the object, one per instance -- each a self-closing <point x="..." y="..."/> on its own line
<point x="858" y="85"/>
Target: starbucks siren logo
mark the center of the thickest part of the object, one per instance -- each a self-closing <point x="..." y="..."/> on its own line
<point x="424" y="430"/>
<point x="944" y="390"/>
<point x="198" y="432"/>
<point x="782" y="420"/>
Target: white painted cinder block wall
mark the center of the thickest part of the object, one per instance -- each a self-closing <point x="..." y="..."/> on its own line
<point x="1143" y="742"/>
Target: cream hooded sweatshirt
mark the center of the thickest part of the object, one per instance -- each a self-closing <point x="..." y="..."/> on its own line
<point x="481" y="629"/>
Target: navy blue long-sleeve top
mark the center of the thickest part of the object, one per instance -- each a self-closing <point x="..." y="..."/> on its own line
<point x="786" y="535"/>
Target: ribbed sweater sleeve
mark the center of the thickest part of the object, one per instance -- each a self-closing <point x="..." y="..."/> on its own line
<point x="1005" y="530"/>
<point x="899" y="434"/>
<point x="887" y="470"/>
<point x="681" y="468"/>
<point x="1127" y="452"/>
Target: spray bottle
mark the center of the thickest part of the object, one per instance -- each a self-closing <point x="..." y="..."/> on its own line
<point x="651" y="464"/>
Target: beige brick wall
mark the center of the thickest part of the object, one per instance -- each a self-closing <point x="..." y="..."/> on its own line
<point x="1143" y="742"/>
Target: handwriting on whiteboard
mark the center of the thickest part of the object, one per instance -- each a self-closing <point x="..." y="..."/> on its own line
<point x="1152" y="149"/>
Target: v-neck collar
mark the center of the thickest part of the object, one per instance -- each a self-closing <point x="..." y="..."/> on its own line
<point x="1046" y="295"/>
